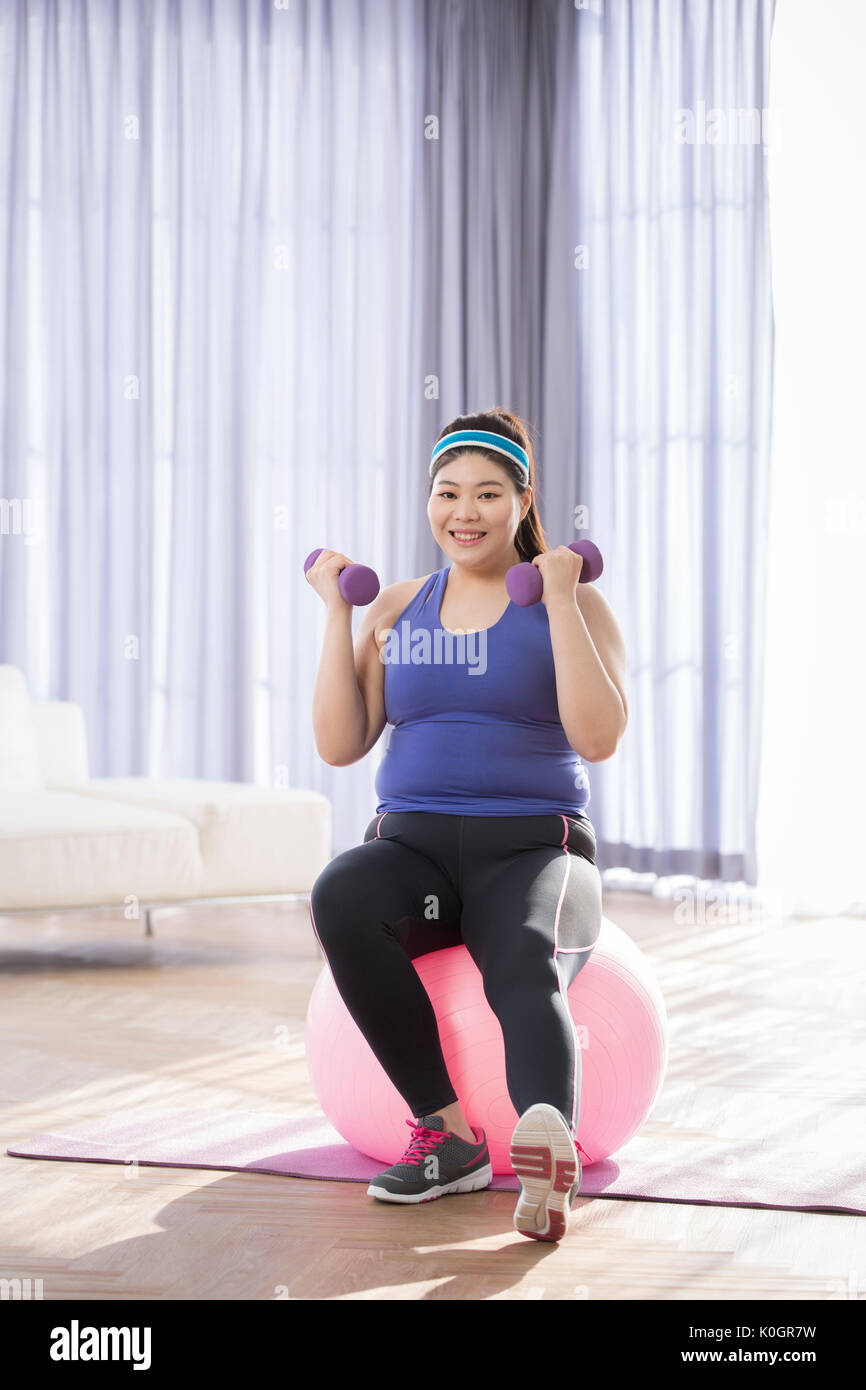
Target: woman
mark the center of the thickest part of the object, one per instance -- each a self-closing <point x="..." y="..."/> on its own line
<point x="480" y="834"/>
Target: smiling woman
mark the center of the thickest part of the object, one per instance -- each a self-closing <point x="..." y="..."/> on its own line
<point x="486" y="502"/>
<point x="489" y="513"/>
<point x="481" y="834"/>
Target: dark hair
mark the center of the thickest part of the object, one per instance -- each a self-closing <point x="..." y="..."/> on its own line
<point x="529" y="538"/>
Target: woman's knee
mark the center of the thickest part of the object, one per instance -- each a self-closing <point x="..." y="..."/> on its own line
<point x="579" y="921"/>
<point x="336" y="894"/>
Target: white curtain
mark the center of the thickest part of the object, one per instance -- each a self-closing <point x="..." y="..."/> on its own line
<point x="811" y="819"/>
<point x="258" y="254"/>
<point x="658" y="355"/>
<point x="209" y="363"/>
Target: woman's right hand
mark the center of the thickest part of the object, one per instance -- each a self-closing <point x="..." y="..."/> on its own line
<point x="324" y="576"/>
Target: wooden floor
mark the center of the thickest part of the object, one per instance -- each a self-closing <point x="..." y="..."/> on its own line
<point x="210" y="1012"/>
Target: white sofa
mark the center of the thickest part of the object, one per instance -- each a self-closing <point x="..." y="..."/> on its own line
<point x="71" y="840"/>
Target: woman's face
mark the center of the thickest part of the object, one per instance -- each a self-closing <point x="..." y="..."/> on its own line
<point x="471" y="494"/>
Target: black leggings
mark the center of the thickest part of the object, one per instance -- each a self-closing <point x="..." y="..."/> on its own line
<point x="523" y="893"/>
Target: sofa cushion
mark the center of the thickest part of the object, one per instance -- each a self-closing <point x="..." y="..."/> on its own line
<point x="19" y="746"/>
<point x="253" y="840"/>
<point x="62" y="740"/>
<point x="61" y="849"/>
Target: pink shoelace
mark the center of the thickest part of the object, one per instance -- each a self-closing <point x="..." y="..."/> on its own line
<point x="423" y="1142"/>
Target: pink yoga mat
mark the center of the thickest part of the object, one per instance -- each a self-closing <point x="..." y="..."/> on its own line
<point x="798" y="1176"/>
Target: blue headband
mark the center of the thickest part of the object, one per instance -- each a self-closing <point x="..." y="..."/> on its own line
<point x="485" y="437"/>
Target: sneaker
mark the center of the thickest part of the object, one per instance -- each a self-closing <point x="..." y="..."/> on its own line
<point x="435" y="1164"/>
<point x="545" y="1159"/>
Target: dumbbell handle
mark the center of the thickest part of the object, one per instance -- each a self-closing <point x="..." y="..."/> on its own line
<point x="525" y="584"/>
<point x="357" y="584"/>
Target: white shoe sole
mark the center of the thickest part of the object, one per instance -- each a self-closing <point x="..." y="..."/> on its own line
<point x="482" y="1177"/>
<point x="545" y="1159"/>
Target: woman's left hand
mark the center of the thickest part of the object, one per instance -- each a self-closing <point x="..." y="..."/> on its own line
<point x="560" y="573"/>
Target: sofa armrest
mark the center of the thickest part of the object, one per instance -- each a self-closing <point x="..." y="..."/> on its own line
<point x="62" y="740"/>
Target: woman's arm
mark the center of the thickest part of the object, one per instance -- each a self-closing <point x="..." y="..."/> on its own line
<point x="339" y="713"/>
<point x="589" y="656"/>
<point x="349" y="694"/>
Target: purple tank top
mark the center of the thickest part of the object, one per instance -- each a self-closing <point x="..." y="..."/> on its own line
<point x="474" y="726"/>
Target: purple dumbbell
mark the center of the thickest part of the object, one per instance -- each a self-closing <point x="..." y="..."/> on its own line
<point x="357" y="584"/>
<point x="525" y="584"/>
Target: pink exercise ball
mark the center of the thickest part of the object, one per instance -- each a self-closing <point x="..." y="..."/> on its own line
<point x="620" y="1021"/>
